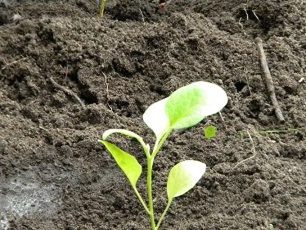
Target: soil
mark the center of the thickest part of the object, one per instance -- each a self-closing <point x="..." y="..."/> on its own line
<point x="55" y="175"/>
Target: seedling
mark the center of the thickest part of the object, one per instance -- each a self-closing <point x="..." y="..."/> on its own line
<point x="102" y="7"/>
<point x="184" y="108"/>
<point x="210" y="132"/>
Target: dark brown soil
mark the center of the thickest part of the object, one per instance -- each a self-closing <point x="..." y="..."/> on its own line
<point x="55" y="175"/>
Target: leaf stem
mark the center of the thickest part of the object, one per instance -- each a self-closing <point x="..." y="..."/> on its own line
<point x="141" y="200"/>
<point x="102" y="6"/>
<point x="163" y="215"/>
<point x="150" y="193"/>
<point x="159" y="144"/>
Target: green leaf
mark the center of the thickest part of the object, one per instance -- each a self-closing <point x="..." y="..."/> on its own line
<point x="190" y="104"/>
<point x="128" y="163"/>
<point x="156" y="118"/>
<point x="183" y="177"/>
<point x="210" y="131"/>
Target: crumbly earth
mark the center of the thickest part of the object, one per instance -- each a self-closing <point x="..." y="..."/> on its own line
<point x="55" y="175"/>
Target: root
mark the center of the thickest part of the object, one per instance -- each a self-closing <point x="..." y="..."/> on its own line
<point x="253" y="150"/>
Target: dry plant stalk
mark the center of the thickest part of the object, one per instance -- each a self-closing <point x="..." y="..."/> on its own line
<point x="268" y="80"/>
<point x="253" y="150"/>
<point x="68" y="91"/>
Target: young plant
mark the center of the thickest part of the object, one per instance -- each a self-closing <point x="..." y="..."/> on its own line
<point x="102" y="6"/>
<point x="210" y="132"/>
<point x="184" y="108"/>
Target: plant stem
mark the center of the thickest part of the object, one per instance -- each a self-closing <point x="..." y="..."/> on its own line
<point x="159" y="144"/>
<point x="163" y="215"/>
<point x="150" y="161"/>
<point x="150" y="192"/>
<point x="102" y="6"/>
<point x="141" y="200"/>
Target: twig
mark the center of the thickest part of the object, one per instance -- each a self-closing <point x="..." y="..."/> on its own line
<point x="222" y="119"/>
<point x="246" y="13"/>
<point x="268" y="80"/>
<point x="241" y="26"/>
<point x="12" y="63"/>
<point x="142" y="16"/>
<point x="107" y="91"/>
<point x="68" y="91"/>
<point x="253" y="11"/>
<point x="272" y="131"/>
<point x="253" y="150"/>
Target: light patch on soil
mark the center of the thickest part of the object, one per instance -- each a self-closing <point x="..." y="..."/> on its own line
<point x="22" y="197"/>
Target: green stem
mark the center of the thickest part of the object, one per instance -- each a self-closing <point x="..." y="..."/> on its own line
<point x="150" y="192"/>
<point x="150" y="160"/>
<point x="159" y="144"/>
<point x="102" y="6"/>
<point x="163" y="215"/>
<point x="141" y="200"/>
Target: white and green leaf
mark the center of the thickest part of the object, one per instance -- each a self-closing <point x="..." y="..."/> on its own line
<point x="185" y="107"/>
<point x="190" y="104"/>
<point x="156" y="118"/>
<point x="183" y="177"/>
